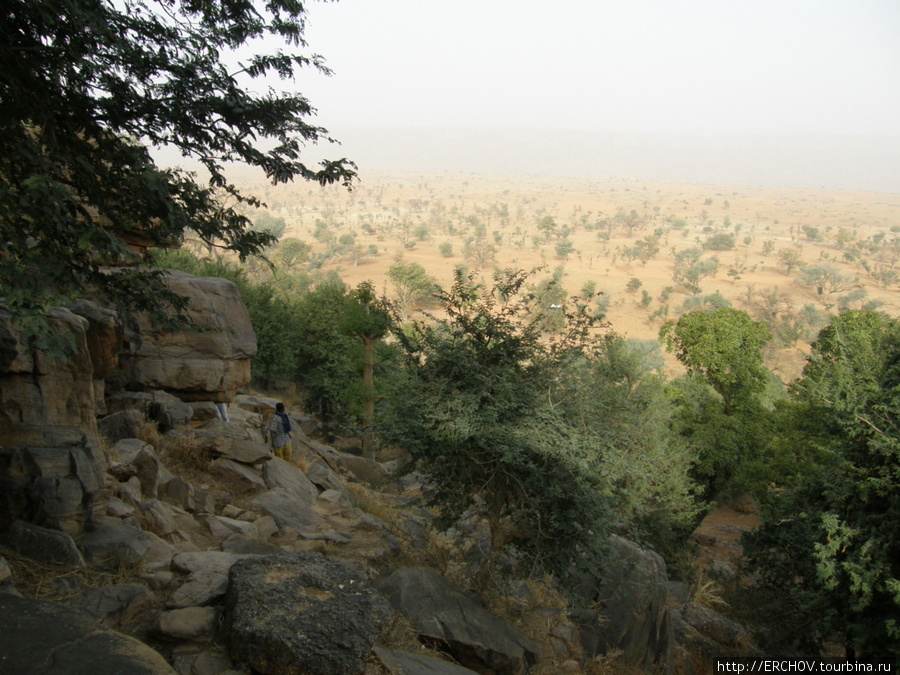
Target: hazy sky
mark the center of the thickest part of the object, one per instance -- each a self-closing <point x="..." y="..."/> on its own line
<point x="656" y="66"/>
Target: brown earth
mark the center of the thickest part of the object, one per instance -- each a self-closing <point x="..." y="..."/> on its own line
<point x="386" y="202"/>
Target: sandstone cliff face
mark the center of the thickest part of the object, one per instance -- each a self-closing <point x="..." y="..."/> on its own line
<point x="44" y="401"/>
<point x="207" y="364"/>
<point x="51" y="465"/>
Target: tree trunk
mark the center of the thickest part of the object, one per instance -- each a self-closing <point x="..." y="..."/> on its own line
<point x="369" y="394"/>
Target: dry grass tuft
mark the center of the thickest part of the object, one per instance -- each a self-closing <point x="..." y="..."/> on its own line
<point x="609" y="664"/>
<point x="300" y="460"/>
<point x="60" y="583"/>
<point x="183" y="454"/>
<point x="379" y="505"/>
<point x="707" y="592"/>
<point x="401" y="636"/>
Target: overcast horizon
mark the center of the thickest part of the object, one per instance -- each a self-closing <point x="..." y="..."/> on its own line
<point x="637" y="66"/>
<point x="800" y="93"/>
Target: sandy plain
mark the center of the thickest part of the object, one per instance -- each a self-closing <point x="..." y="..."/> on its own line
<point x="388" y="211"/>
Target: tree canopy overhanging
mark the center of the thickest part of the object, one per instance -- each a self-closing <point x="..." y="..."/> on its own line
<point x="87" y="86"/>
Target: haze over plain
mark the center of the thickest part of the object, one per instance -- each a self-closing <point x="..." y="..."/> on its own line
<point x="797" y="94"/>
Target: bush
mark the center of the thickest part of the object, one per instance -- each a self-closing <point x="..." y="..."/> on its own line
<point x="723" y="241"/>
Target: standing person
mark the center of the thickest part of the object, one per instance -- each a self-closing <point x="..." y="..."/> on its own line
<point x="280" y="429"/>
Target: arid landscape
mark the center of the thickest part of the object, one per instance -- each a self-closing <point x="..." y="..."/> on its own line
<point x="788" y="256"/>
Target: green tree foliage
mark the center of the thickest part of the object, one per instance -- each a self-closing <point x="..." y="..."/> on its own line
<point x="699" y="271"/>
<point x="549" y="301"/>
<point x="291" y="251"/>
<point x="548" y="226"/>
<point x="367" y="318"/>
<point x="411" y="285"/>
<point x="724" y="347"/>
<point x="723" y="241"/>
<point x="790" y="259"/>
<point x="720" y="405"/>
<point x="564" y="248"/>
<point x="832" y="544"/>
<point x="475" y="410"/>
<point x="266" y="222"/>
<point x="826" y="278"/>
<point x="618" y="399"/>
<point x="86" y="87"/>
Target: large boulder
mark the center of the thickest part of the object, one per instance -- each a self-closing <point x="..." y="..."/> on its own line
<point x="707" y="637"/>
<point x="278" y="473"/>
<point x="43" y="638"/>
<point x="42" y="544"/>
<point x="287" y="510"/>
<point x="452" y="620"/>
<point x="633" y="616"/>
<point x="206" y="365"/>
<point x="114" y="544"/>
<point x="302" y="613"/>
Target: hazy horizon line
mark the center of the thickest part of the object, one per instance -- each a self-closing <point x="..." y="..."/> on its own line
<point x="832" y="161"/>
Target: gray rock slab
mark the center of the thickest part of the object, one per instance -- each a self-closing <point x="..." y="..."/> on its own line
<point x="287" y="510"/>
<point x="43" y="638"/>
<point x="143" y="458"/>
<point x="440" y="611"/>
<point x="278" y="473"/>
<point x="118" y="509"/>
<point x="191" y="623"/>
<point x="302" y="612"/>
<point x="195" y="562"/>
<point x="249" y="450"/>
<point x="207" y="580"/>
<point x="159" y="515"/>
<point x="113" y="545"/>
<point x="201" y="588"/>
<point x="321" y="475"/>
<point x="242" y="477"/>
<point x="125" y="424"/>
<point x="159" y="555"/>
<point x="114" y="606"/>
<point x="42" y="544"/>
<point x="199" y="659"/>
<point x="405" y="663"/>
<point x="234" y="526"/>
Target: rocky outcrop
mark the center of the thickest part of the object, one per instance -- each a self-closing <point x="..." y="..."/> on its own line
<point x="210" y="364"/>
<point x="46" y="401"/>
<point x="302" y="613"/>
<point x="451" y="620"/>
<point x="51" y="467"/>
<point x="706" y="636"/>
